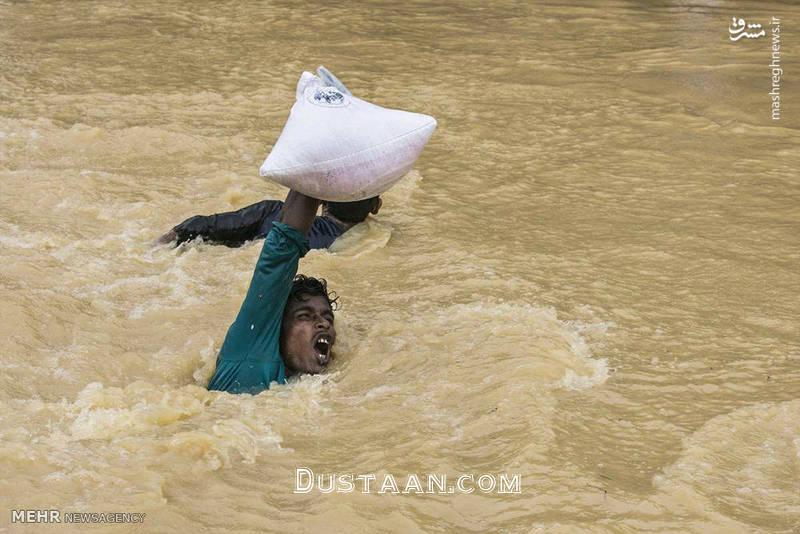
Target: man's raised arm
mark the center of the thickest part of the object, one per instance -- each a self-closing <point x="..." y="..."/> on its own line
<point x="250" y="357"/>
<point x="299" y="211"/>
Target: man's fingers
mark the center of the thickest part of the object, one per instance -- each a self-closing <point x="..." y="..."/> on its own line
<point x="169" y="237"/>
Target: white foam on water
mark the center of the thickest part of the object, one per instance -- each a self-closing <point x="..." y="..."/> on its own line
<point x="208" y="362"/>
<point x="463" y="371"/>
<point x="189" y="429"/>
<point x="362" y="239"/>
<point x="380" y="391"/>
<point x="574" y="381"/>
<point x="744" y="464"/>
<point x="495" y="335"/>
<point x="12" y="236"/>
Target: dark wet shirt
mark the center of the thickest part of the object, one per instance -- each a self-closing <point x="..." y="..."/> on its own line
<point x="234" y="228"/>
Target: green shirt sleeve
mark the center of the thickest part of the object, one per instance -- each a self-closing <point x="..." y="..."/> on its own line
<point x="250" y="357"/>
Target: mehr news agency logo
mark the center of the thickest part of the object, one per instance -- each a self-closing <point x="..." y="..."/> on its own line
<point x="57" y="516"/>
<point x="739" y="29"/>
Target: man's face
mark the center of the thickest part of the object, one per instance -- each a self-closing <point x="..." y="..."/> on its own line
<point x="307" y="335"/>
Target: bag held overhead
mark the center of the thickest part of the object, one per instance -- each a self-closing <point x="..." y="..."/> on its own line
<point x="338" y="147"/>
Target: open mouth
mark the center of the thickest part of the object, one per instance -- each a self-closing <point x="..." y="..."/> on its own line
<point x="322" y="348"/>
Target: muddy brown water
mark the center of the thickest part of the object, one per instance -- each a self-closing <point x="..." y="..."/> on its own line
<point x="589" y="280"/>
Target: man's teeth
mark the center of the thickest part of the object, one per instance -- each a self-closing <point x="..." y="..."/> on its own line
<point x="323" y="349"/>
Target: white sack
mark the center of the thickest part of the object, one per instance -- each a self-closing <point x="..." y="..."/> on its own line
<point x="337" y="147"/>
<point x="328" y="78"/>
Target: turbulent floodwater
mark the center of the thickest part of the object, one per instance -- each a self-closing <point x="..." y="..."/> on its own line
<point x="590" y="279"/>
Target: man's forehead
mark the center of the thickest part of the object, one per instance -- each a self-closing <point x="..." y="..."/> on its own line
<point x="316" y="303"/>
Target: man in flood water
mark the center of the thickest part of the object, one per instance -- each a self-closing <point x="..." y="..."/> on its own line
<point x="285" y="324"/>
<point x="234" y="228"/>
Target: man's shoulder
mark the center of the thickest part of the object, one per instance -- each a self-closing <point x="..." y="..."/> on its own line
<point x="323" y="232"/>
<point x="328" y="225"/>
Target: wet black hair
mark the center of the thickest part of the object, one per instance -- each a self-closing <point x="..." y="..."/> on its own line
<point x="352" y="212"/>
<point x="304" y="287"/>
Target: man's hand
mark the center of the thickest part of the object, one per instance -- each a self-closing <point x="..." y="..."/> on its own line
<point x="169" y="237"/>
<point x="299" y="211"/>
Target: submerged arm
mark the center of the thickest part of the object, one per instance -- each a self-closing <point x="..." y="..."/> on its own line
<point x="231" y="228"/>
